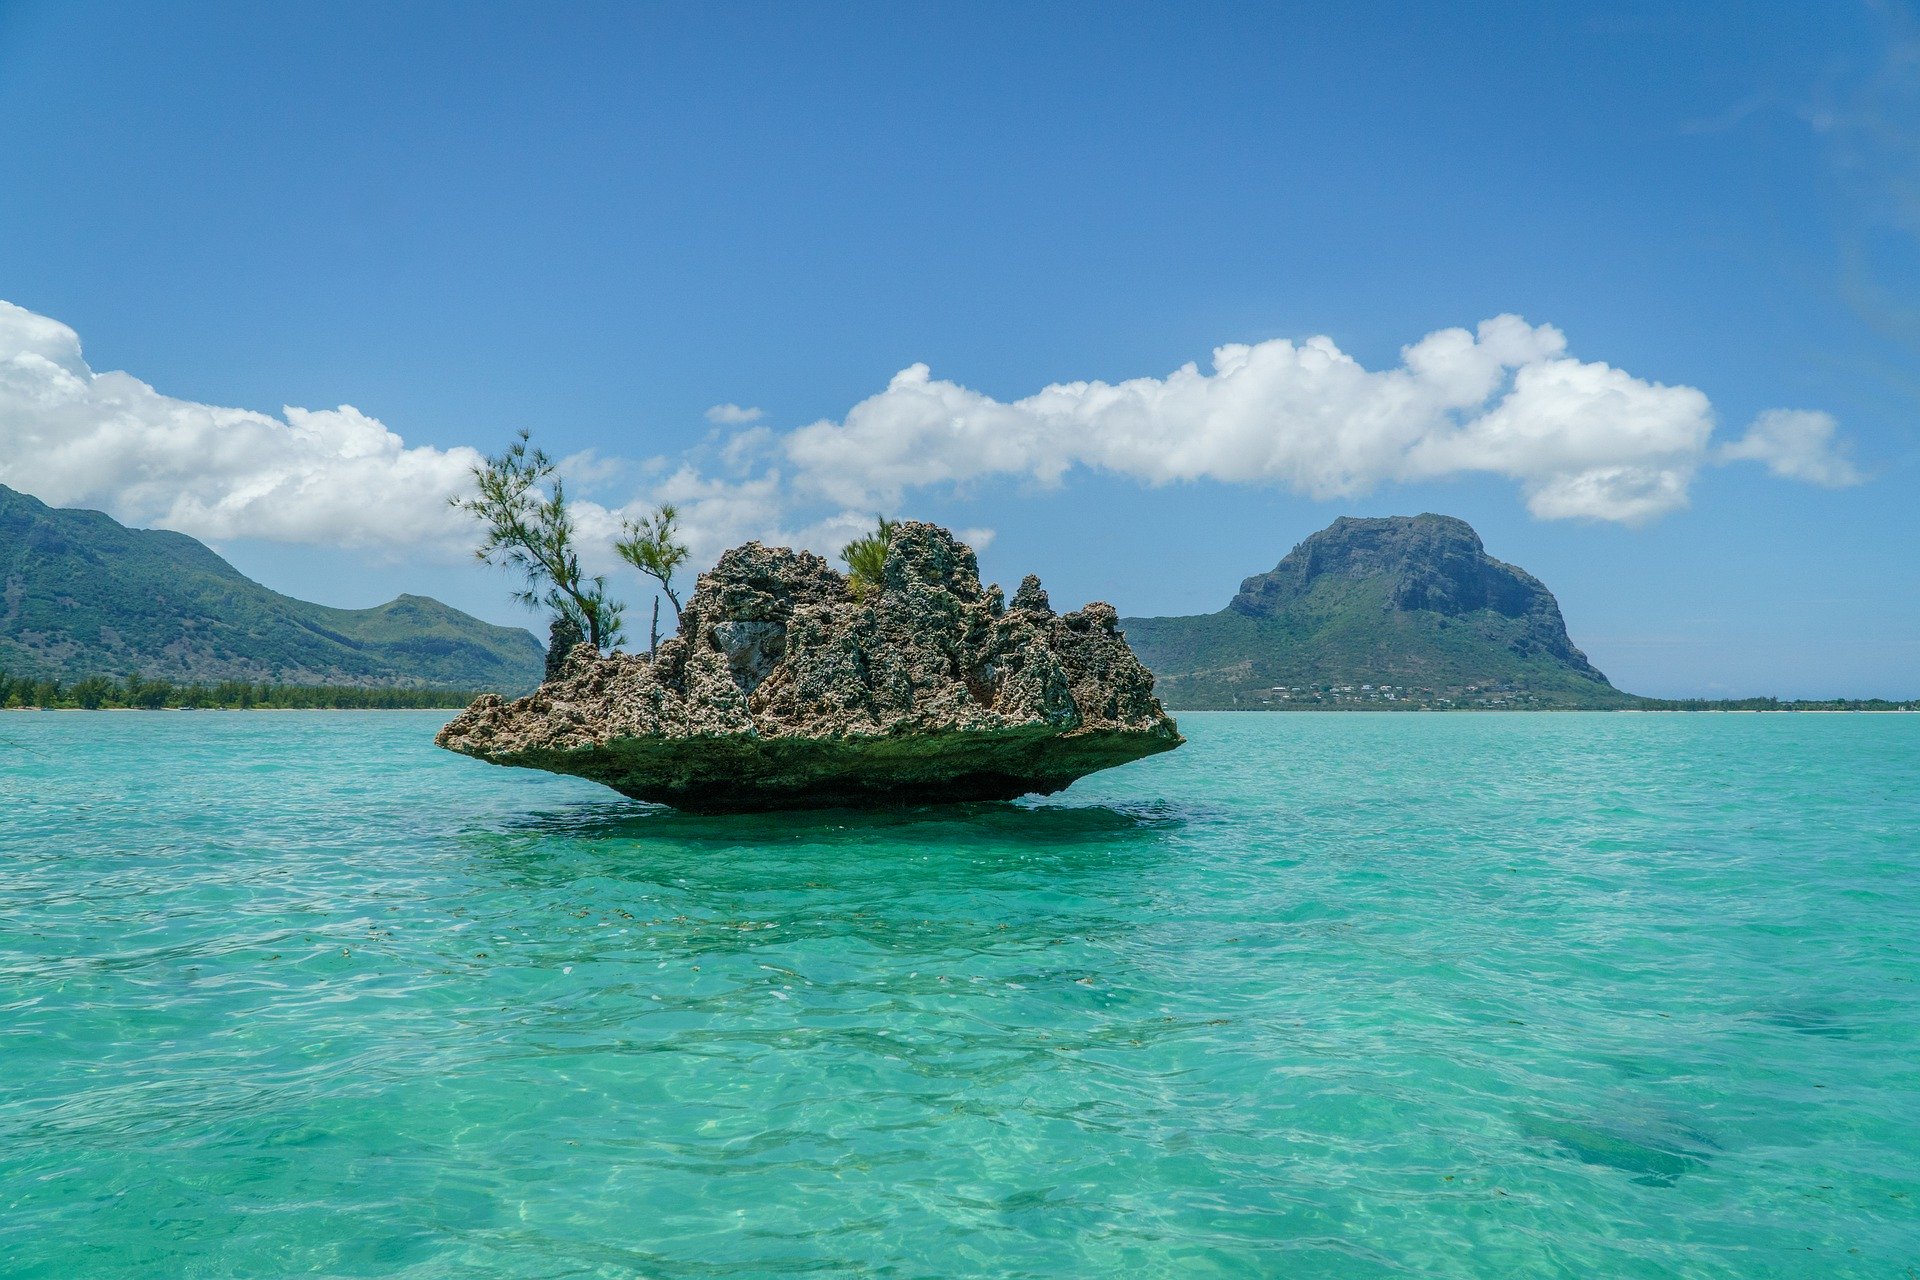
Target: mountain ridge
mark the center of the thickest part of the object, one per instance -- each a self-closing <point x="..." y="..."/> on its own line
<point x="82" y="594"/>
<point x="1400" y="610"/>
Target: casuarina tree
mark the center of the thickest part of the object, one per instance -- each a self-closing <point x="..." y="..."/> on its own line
<point x="652" y="546"/>
<point x="522" y="505"/>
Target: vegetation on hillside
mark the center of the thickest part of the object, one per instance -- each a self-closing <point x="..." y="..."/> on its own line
<point x="1399" y="613"/>
<point x="82" y="594"/>
<point x="94" y="693"/>
<point x="1345" y="638"/>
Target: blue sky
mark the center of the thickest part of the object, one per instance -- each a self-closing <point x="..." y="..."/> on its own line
<point x="601" y="222"/>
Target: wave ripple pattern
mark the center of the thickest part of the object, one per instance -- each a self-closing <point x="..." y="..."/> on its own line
<point x="1342" y="996"/>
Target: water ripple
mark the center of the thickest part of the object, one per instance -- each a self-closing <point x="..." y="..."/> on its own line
<point x="1316" y="996"/>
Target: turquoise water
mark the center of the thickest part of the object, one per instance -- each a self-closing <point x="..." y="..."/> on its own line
<point x="1318" y="995"/>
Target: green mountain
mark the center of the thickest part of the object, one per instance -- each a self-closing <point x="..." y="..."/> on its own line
<point x="1403" y="612"/>
<point x="81" y="595"/>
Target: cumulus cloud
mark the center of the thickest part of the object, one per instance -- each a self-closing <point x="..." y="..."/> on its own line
<point x="71" y="436"/>
<point x="588" y="467"/>
<point x="1797" y="444"/>
<point x="1583" y="439"/>
<point x="716" y="513"/>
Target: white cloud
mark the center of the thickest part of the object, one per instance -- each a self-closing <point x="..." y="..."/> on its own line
<point x="588" y="467"/>
<point x="715" y="514"/>
<point x="1797" y="444"/>
<point x="732" y="415"/>
<point x="749" y="448"/>
<point x="1582" y="439"/>
<point x="335" y="477"/>
<point x="71" y="436"/>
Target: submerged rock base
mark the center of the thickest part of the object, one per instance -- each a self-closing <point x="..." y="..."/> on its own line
<point x="741" y="773"/>
<point x="783" y="690"/>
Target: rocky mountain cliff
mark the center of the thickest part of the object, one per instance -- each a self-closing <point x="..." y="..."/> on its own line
<point x="81" y="594"/>
<point x="1402" y="611"/>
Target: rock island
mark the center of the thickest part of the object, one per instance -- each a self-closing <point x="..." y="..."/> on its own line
<point x="788" y="686"/>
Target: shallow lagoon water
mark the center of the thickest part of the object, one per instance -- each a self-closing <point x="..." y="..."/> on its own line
<point x="1318" y="995"/>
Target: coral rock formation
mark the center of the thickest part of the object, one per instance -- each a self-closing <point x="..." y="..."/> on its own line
<point x="782" y="690"/>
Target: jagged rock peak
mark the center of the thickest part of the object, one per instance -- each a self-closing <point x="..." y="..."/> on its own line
<point x="1032" y="595"/>
<point x="562" y="636"/>
<point x="782" y="689"/>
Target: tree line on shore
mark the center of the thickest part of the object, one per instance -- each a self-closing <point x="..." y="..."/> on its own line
<point x="96" y="693"/>
<point x="1778" y="704"/>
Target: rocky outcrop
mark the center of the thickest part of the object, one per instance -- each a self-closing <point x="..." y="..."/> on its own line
<point x="562" y="636"/>
<point x="782" y="690"/>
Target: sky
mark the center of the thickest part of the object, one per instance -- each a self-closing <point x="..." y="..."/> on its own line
<point x="1136" y="297"/>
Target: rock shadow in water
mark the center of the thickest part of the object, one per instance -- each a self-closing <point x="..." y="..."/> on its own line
<point x="953" y="844"/>
<point x="1808" y="1020"/>
<point x="1655" y="1152"/>
<point x="990" y="822"/>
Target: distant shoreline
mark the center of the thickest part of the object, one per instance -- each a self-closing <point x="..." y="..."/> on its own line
<point x="1545" y="711"/>
<point x="1176" y="711"/>
<point x="140" y="693"/>
<point x="145" y="711"/>
<point x="1769" y="711"/>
